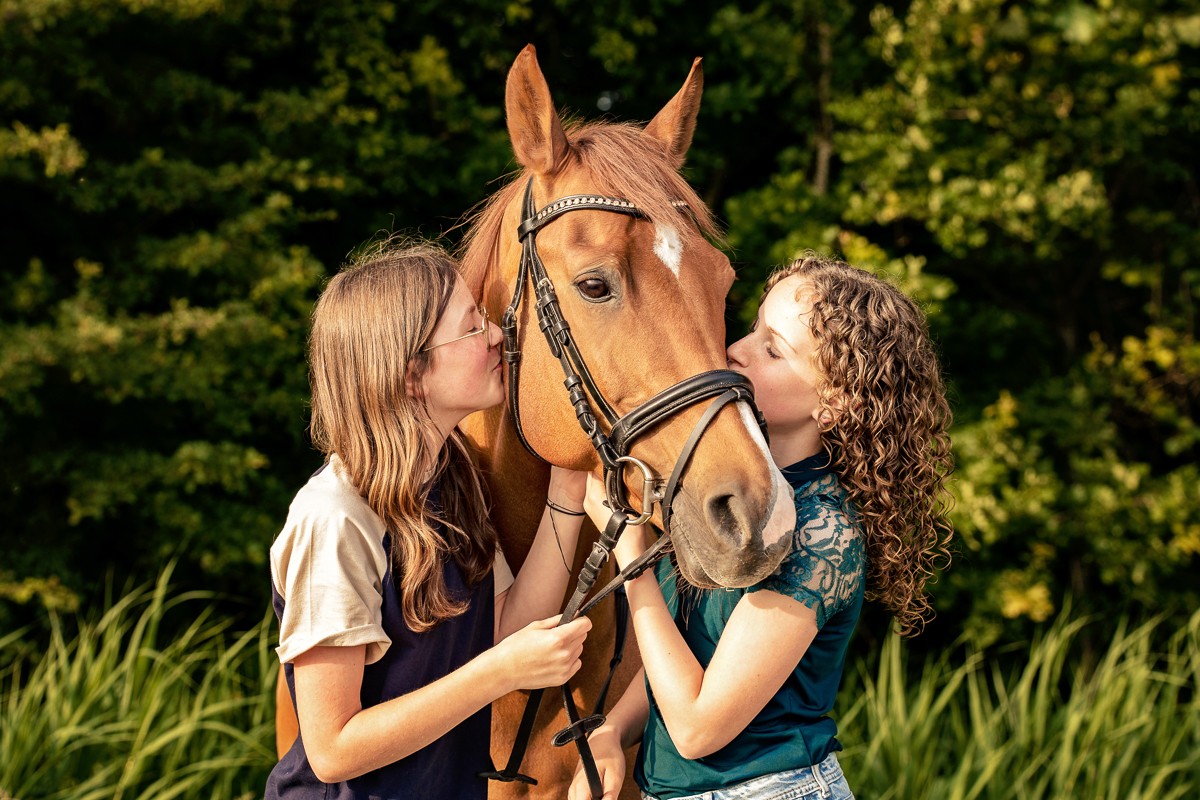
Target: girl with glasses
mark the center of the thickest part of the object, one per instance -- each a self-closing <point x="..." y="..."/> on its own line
<point x="399" y="620"/>
<point x="739" y="684"/>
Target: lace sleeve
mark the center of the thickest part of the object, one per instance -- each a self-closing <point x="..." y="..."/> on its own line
<point x="824" y="571"/>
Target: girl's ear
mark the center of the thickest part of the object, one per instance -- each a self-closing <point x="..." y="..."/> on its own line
<point x="413" y="386"/>
<point x="828" y="417"/>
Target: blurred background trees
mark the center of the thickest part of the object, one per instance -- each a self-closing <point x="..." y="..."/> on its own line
<point x="177" y="177"/>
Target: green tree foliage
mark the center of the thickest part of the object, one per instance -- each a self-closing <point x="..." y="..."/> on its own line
<point x="178" y="176"/>
<point x="174" y="179"/>
<point x="1027" y="170"/>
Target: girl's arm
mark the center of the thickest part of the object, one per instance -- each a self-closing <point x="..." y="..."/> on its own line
<point x="343" y="740"/>
<point x="539" y="587"/>
<point x="704" y="709"/>
<point x="622" y="729"/>
<point x="766" y="636"/>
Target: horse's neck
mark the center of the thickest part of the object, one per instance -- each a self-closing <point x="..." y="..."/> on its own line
<point x="517" y="481"/>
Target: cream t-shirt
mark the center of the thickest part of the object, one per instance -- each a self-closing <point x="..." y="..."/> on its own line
<point x="328" y="565"/>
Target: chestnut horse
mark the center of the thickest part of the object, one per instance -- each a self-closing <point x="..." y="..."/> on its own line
<point x="645" y="299"/>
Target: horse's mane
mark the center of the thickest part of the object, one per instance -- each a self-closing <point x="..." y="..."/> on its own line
<point x="619" y="162"/>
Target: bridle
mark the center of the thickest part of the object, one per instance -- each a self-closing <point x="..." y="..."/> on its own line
<point x="722" y="386"/>
<point x="612" y="448"/>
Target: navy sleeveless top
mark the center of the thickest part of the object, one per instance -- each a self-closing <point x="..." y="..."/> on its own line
<point x="446" y="769"/>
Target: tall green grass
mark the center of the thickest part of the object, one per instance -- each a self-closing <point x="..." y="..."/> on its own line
<point x="123" y="711"/>
<point x="1030" y="723"/>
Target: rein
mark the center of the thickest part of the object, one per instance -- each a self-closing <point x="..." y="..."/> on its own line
<point x="722" y="386"/>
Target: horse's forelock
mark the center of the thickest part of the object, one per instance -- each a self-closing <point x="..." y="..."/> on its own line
<point x="619" y="162"/>
<point x="622" y="162"/>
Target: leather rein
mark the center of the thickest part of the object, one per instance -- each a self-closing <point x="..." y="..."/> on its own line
<point x="722" y="386"/>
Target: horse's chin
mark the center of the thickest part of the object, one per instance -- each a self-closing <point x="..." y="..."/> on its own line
<point x="710" y="560"/>
<point x="691" y="569"/>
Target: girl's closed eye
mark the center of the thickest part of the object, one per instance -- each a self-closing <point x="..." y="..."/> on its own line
<point x="771" y="353"/>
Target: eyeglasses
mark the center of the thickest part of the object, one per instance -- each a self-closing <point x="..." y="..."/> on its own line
<point x="484" y="328"/>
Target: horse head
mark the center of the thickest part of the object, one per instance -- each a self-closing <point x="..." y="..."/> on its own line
<point x="644" y="296"/>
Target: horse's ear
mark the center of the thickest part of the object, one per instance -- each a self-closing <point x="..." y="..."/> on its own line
<point x="533" y="125"/>
<point x="675" y="124"/>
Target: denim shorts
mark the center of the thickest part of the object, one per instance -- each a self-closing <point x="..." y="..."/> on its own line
<point x="824" y="781"/>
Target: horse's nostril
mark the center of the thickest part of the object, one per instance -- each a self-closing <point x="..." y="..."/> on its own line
<point x="726" y="514"/>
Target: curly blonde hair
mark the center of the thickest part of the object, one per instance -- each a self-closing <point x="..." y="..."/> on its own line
<point x="882" y="396"/>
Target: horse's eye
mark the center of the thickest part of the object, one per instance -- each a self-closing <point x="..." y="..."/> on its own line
<point x="594" y="288"/>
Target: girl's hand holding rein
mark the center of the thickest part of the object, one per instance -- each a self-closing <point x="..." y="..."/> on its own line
<point x="541" y="654"/>
<point x="345" y="740"/>
<point x="634" y="540"/>
<point x="610" y="763"/>
<point x="622" y="729"/>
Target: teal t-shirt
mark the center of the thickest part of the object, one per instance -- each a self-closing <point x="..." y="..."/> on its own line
<point x="825" y="571"/>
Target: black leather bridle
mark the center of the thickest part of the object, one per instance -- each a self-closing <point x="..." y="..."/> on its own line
<point x="612" y="448"/>
<point x="722" y="386"/>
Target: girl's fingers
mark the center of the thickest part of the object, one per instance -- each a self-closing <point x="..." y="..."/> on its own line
<point x="576" y="630"/>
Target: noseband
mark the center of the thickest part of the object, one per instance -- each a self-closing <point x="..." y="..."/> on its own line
<point x="613" y="448"/>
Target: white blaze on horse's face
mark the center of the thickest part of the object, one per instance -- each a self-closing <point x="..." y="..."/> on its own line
<point x="783" y="511"/>
<point x="667" y="247"/>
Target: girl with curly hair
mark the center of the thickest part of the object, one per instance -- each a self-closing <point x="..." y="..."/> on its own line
<point x="740" y="683"/>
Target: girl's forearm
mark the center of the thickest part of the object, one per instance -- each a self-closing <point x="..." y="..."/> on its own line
<point x="628" y="717"/>
<point x="374" y="737"/>
<point x="537" y="592"/>
<point x="673" y="671"/>
<point x="704" y="708"/>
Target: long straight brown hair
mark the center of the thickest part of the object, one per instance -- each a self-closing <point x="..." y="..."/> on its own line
<point x="369" y="327"/>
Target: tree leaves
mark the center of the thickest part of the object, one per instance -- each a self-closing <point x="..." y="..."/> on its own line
<point x="177" y="178"/>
